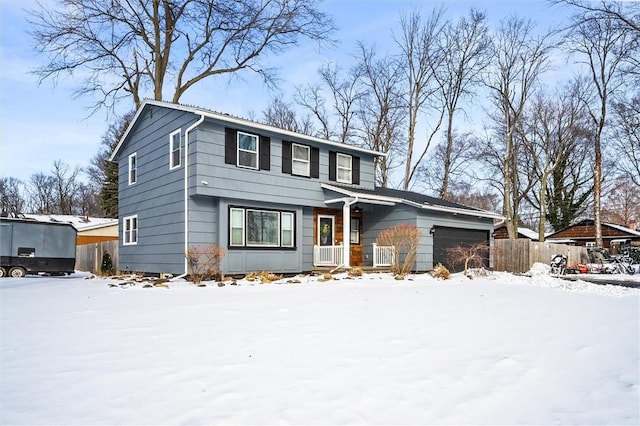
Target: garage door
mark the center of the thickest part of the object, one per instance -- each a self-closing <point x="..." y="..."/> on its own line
<point x="445" y="238"/>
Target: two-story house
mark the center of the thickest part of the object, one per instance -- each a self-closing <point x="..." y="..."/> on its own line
<point x="274" y="199"/>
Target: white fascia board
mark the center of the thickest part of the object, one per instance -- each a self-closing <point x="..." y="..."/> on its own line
<point x="454" y="210"/>
<point x="242" y="122"/>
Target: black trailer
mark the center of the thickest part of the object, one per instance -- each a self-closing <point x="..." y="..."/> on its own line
<point x="31" y="247"/>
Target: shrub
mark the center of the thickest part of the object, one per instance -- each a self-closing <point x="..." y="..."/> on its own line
<point x="265" y="277"/>
<point x="355" y="272"/>
<point x="107" y="264"/>
<point x="204" y="262"/>
<point x="471" y="255"/>
<point x="405" y="239"/>
<point x="440" y="271"/>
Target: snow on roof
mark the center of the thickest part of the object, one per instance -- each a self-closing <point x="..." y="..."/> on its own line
<point x="532" y="235"/>
<point x="623" y="229"/>
<point x="81" y="223"/>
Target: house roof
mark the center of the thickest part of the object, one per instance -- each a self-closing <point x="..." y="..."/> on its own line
<point x="590" y="222"/>
<point x="81" y="223"/>
<point x="390" y="196"/>
<point x="237" y="121"/>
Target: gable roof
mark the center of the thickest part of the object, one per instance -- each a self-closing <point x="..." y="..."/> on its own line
<point x="236" y="121"/>
<point x="591" y="222"/>
<point x="388" y="196"/>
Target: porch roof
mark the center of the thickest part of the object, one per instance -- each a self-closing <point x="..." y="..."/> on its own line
<point x="387" y="196"/>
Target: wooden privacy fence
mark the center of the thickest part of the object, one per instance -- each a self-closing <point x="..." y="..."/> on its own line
<point x="519" y="255"/>
<point x="89" y="256"/>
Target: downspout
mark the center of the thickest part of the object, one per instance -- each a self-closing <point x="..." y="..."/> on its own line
<point x="186" y="192"/>
<point x="346" y="230"/>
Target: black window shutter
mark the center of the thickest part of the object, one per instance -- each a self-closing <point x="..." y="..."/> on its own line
<point x="230" y="146"/>
<point x="355" y="170"/>
<point x="332" y="165"/>
<point x="265" y="153"/>
<point x="315" y="163"/>
<point x="286" y="157"/>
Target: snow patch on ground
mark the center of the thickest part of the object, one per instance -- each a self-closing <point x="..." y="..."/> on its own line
<point x="499" y="349"/>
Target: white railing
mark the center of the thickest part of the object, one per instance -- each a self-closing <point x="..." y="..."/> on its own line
<point x="328" y="255"/>
<point x="383" y="255"/>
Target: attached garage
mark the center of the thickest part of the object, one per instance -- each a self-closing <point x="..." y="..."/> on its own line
<point x="445" y="237"/>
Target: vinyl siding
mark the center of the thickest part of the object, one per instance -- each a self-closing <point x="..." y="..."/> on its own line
<point x="157" y="197"/>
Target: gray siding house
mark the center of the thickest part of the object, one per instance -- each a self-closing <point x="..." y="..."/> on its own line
<point x="273" y="199"/>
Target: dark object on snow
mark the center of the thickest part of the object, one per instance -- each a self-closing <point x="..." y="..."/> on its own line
<point x="559" y="264"/>
<point x="30" y="247"/>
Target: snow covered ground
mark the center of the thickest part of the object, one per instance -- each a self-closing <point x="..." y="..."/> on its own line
<point x="497" y="350"/>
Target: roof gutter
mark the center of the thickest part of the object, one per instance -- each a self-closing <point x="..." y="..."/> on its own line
<point x="186" y="191"/>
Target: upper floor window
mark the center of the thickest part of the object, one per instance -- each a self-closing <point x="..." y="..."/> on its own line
<point x="133" y="168"/>
<point x="300" y="160"/>
<point x="343" y="168"/>
<point x="247" y="150"/>
<point x="130" y="230"/>
<point x="175" y="149"/>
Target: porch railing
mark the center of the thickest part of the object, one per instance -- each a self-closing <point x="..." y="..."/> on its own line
<point x="328" y="255"/>
<point x="383" y="255"/>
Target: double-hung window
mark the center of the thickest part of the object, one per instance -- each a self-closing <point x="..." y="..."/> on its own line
<point x="261" y="228"/>
<point x="133" y="168"/>
<point x="130" y="230"/>
<point x="247" y="150"/>
<point x="344" y="168"/>
<point x="175" y="150"/>
<point x="300" y="160"/>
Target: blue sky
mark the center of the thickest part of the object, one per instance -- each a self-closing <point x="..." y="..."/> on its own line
<point x="41" y="123"/>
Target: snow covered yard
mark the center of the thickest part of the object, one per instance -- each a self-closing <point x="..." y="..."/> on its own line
<point x="371" y="350"/>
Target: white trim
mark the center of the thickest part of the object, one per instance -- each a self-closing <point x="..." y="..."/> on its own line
<point x="134" y="156"/>
<point x="338" y="168"/>
<point x="171" y="135"/>
<point x="307" y="161"/>
<point x="237" y="121"/>
<point x="376" y="199"/>
<point x="131" y="242"/>
<point x="231" y="227"/>
<point x="257" y="151"/>
<point x="333" y="228"/>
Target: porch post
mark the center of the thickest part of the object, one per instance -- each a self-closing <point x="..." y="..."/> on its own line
<point x="346" y="233"/>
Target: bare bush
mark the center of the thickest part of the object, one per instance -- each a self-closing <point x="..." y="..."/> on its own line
<point x="405" y="239"/>
<point x="471" y="255"/>
<point x="440" y="271"/>
<point x="204" y="262"/>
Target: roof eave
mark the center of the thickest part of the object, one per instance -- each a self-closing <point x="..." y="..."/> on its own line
<point x="238" y="121"/>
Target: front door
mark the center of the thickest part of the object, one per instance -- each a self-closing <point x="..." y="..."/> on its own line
<point x="326" y="230"/>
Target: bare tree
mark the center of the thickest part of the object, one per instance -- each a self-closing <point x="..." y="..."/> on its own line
<point x="519" y="59"/>
<point x="126" y="49"/>
<point x="65" y="181"/>
<point x="280" y="114"/>
<point x="621" y="202"/>
<point x="310" y="98"/>
<point x="625" y="146"/>
<point x="466" y="44"/>
<point x="41" y="189"/>
<point x="12" y="201"/>
<point x="421" y="57"/>
<point x="345" y="91"/>
<point x="602" y="46"/>
<point x="381" y="112"/>
<point x="552" y="129"/>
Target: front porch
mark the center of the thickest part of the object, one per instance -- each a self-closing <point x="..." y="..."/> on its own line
<point x="334" y="257"/>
